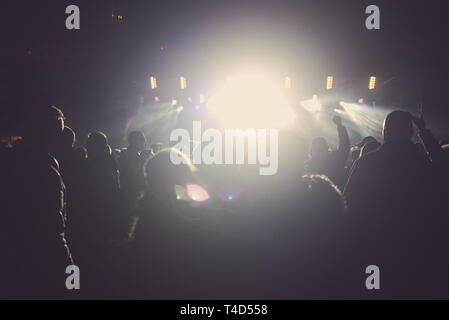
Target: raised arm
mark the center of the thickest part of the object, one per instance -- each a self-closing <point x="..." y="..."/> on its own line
<point x="344" y="146"/>
<point x="434" y="150"/>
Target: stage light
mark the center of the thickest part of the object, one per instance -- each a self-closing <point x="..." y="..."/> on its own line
<point x="180" y="109"/>
<point x="288" y="83"/>
<point x="202" y="98"/>
<point x="174" y="102"/>
<point x="361" y="101"/>
<point x="372" y="83"/>
<point x="157" y="99"/>
<point x="367" y="121"/>
<point x="251" y="101"/>
<point x="330" y="83"/>
<point x="313" y="105"/>
<point x="153" y="83"/>
<point x="183" y="83"/>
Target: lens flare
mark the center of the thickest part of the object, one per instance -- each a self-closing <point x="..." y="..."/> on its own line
<point x="197" y="193"/>
<point x="181" y="193"/>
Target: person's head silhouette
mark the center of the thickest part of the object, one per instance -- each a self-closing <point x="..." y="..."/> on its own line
<point x="398" y="127"/>
<point x="68" y="138"/>
<point x="162" y="174"/>
<point x="43" y="128"/>
<point x="136" y="140"/>
<point x="369" y="147"/>
<point x="365" y="141"/>
<point x="97" y="143"/>
<point x="319" y="148"/>
<point x="156" y="147"/>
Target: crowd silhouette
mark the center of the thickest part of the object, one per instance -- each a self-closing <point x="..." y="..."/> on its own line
<point x="127" y="218"/>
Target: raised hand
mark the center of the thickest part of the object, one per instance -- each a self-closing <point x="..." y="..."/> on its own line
<point x="337" y="120"/>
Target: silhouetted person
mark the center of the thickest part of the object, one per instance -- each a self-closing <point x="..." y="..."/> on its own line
<point x="309" y="256"/>
<point x="330" y="163"/>
<point x="65" y="144"/>
<point x="131" y="163"/>
<point x="440" y="170"/>
<point x="65" y="154"/>
<point x="430" y="143"/>
<point x="80" y="153"/>
<point x="102" y="186"/>
<point x="93" y="225"/>
<point x="34" y="251"/>
<point x="173" y="238"/>
<point x="390" y="194"/>
<point x="100" y="162"/>
<point x="369" y="147"/>
<point x="356" y="150"/>
<point x="71" y="167"/>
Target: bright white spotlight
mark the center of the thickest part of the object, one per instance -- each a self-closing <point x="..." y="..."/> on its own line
<point x="313" y="105"/>
<point x="180" y="109"/>
<point x="251" y="101"/>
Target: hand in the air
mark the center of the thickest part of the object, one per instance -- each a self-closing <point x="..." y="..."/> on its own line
<point x="337" y="120"/>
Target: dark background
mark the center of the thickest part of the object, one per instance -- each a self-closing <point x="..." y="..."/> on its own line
<point x="96" y="74"/>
